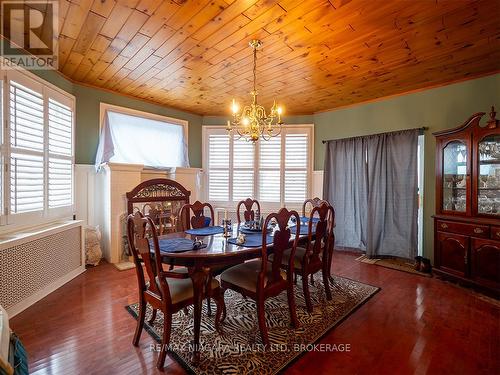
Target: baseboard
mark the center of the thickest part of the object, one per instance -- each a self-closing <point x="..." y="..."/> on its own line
<point x="34" y="298"/>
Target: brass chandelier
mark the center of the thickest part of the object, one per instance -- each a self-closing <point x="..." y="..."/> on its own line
<point x="252" y="123"/>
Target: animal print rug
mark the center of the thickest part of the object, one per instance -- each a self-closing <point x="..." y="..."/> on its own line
<point x="239" y="350"/>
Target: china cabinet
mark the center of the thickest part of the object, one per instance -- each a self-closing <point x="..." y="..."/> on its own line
<point x="467" y="220"/>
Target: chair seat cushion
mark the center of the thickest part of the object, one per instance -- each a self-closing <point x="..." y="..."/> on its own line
<point x="182" y="289"/>
<point x="297" y="261"/>
<point x="245" y="275"/>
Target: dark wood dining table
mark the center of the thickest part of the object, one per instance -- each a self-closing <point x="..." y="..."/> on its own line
<point x="218" y="253"/>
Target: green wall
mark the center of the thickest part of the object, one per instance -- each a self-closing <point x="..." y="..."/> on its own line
<point x="439" y="108"/>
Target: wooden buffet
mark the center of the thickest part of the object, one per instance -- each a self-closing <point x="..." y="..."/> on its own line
<point x="467" y="220"/>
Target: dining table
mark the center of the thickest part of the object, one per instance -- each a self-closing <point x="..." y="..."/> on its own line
<point x="217" y="251"/>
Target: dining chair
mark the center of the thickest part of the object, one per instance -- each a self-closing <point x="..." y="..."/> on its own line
<point x="166" y="291"/>
<point x="249" y="213"/>
<point x="314" y="202"/>
<point x="198" y="220"/>
<point x="261" y="279"/>
<point x="317" y="255"/>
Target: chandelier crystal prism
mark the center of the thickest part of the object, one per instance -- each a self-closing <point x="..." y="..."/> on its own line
<point x="252" y="122"/>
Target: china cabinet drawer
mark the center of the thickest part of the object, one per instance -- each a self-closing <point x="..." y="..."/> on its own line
<point x="474" y="230"/>
<point x="495" y="233"/>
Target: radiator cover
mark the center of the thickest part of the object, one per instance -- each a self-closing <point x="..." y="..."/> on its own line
<point x="28" y="268"/>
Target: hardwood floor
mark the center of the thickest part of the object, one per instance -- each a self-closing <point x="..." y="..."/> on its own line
<point x="414" y="325"/>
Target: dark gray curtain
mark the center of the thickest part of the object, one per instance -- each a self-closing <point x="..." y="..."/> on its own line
<point x="345" y="187"/>
<point x="372" y="183"/>
<point x="392" y="194"/>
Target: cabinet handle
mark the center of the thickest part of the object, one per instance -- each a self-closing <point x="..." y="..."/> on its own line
<point x="478" y="230"/>
<point x="444" y="225"/>
<point x="465" y="259"/>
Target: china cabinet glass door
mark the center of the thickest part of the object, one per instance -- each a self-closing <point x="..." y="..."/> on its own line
<point x="455" y="177"/>
<point x="488" y="199"/>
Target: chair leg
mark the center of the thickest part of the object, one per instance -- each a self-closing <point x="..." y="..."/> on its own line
<point x="261" y="316"/>
<point x="295" y="279"/>
<point x="307" y="295"/>
<point x="291" y="306"/>
<point x="153" y="316"/>
<point x="140" y="323"/>
<point x="220" y="314"/>
<point x="312" y="279"/>
<point x="209" y="306"/>
<point x="326" y="282"/>
<point x="167" y="327"/>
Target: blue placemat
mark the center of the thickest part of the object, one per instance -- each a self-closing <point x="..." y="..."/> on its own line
<point x="249" y="231"/>
<point x="206" y="231"/>
<point x="305" y="219"/>
<point x="176" y="245"/>
<point x="304" y="229"/>
<point x="252" y="240"/>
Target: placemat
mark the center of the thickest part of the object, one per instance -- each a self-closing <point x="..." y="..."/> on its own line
<point x="252" y="240"/>
<point x="206" y="231"/>
<point x="177" y="245"/>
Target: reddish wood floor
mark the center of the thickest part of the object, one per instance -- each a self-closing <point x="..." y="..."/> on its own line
<point x="414" y="325"/>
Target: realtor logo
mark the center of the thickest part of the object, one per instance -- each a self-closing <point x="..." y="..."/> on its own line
<point x="29" y="34"/>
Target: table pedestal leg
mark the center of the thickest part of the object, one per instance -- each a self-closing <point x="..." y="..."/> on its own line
<point x="199" y="275"/>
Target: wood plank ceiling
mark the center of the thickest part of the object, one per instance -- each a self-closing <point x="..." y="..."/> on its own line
<point x="317" y="54"/>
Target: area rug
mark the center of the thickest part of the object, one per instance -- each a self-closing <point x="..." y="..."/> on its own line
<point x="393" y="263"/>
<point x="240" y="351"/>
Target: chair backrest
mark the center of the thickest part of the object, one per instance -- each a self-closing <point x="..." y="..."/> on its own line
<point x="315" y="202"/>
<point x="281" y="243"/>
<point x="323" y="235"/>
<point x="249" y="213"/>
<point x="137" y="228"/>
<point x="198" y="220"/>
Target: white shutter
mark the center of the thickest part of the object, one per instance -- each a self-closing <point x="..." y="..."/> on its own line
<point x="26" y="118"/>
<point x="243" y="175"/>
<point x="60" y="129"/>
<point x="218" y="167"/>
<point x="296" y="167"/>
<point x="60" y="168"/>
<point x="269" y="170"/>
<point x="26" y="183"/>
<point x="26" y="125"/>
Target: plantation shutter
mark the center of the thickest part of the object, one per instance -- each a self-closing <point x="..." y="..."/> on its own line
<point x="296" y="166"/>
<point x="243" y="162"/>
<point x="270" y="170"/>
<point x="60" y="168"/>
<point x="26" y="124"/>
<point x="218" y="166"/>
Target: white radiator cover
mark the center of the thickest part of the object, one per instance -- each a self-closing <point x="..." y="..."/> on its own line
<point x="34" y="267"/>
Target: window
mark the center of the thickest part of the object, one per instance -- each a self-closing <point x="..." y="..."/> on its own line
<point x="134" y="137"/>
<point x="277" y="172"/>
<point x="36" y="150"/>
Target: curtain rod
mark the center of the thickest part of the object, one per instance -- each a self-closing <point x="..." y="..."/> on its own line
<point x="422" y="129"/>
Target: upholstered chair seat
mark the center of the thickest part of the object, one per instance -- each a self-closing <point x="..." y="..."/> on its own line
<point x="299" y="255"/>
<point x="245" y="275"/>
<point x="182" y="289"/>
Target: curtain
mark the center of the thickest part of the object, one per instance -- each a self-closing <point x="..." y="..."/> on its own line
<point x="345" y="187"/>
<point x="372" y="183"/>
<point x="138" y="140"/>
<point x="392" y="194"/>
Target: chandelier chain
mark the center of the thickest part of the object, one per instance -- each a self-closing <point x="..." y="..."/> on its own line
<point x="254" y="69"/>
